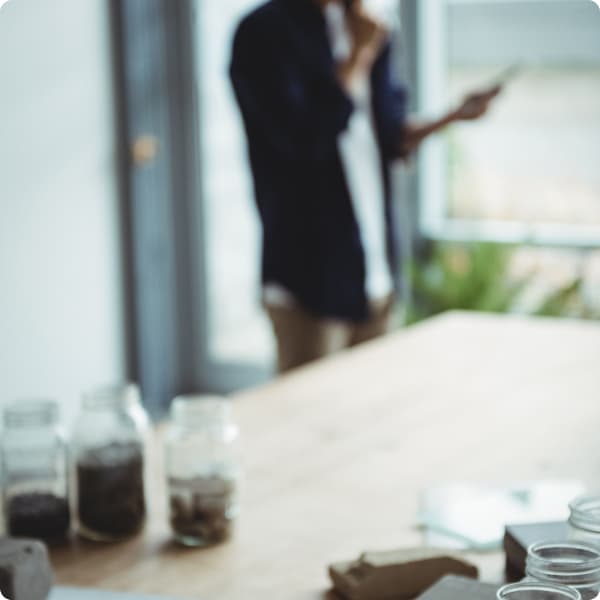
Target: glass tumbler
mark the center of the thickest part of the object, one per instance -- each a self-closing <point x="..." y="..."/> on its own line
<point x="527" y="590"/>
<point x="574" y="564"/>
<point x="584" y="519"/>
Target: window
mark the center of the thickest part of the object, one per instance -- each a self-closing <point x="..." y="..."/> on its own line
<point x="239" y="341"/>
<point x="528" y="172"/>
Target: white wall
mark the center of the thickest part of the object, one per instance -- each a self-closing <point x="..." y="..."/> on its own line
<point x="60" y="293"/>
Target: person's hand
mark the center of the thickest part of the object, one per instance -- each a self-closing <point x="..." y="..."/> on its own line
<point x="475" y="105"/>
<point x="368" y="35"/>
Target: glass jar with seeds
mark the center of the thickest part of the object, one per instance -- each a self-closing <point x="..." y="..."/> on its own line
<point x="34" y="465"/>
<point x="202" y="469"/>
<point x="109" y="452"/>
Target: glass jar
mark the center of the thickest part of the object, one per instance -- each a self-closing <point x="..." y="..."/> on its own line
<point x="573" y="564"/>
<point x="584" y="519"/>
<point x="109" y="448"/>
<point x="528" y="590"/>
<point x="202" y="469"/>
<point x="35" y="468"/>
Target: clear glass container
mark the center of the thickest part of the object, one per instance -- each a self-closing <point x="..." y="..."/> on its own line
<point x="584" y="520"/>
<point x="35" y="470"/>
<point x="202" y="469"/>
<point x="109" y="453"/>
<point x="574" y="564"/>
<point x="527" y="590"/>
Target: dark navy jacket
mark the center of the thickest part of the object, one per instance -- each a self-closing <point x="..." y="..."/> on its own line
<point x="294" y="109"/>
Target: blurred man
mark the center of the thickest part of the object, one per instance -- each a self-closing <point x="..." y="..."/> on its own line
<point x="325" y="118"/>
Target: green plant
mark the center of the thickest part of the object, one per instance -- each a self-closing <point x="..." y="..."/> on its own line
<point x="569" y="301"/>
<point x="462" y="276"/>
<point x="475" y="276"/>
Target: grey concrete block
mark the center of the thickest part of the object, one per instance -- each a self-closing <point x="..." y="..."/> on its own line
<point x="25" y="572"/>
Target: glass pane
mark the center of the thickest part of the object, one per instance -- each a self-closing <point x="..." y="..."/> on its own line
<point x="535" y="158"/>
<point x="239" y="333"/>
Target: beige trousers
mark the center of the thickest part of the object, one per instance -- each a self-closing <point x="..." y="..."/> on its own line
<point x="302" y="337"/>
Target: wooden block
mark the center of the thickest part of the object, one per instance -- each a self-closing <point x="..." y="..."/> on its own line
<point x="397" y="574"/>
<point x="25" y="572"/>
<point x="452" y="587"/>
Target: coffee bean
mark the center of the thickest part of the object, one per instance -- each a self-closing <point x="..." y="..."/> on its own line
<point x="110" y="490"/>
<point x="38" y="515"/>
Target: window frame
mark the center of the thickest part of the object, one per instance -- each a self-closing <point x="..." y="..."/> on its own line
<point x="427" y="52"/>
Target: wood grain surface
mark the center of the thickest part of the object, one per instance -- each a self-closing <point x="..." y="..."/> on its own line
<point x="335" y="454"/>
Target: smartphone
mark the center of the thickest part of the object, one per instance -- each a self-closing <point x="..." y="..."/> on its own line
<point x="506" y="75"/>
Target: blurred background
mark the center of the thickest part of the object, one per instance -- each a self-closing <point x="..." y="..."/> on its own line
<point x="128" y="235"/>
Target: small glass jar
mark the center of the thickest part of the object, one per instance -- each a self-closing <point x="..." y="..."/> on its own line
<point x="530" y="590"/>
<point x="202" y="469"/>
<point x="584" y="519"/>
<point x="108" y="453"/>
<point x="35" y="468"/>
<point x="574" y="564"/>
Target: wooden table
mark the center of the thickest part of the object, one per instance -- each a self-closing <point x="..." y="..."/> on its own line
<point x="336" y="454"/>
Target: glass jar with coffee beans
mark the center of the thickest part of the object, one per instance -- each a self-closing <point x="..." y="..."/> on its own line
<point x="109" y="448"/>
<point x="35" y="470"/>
<point x="202" y="469"/>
